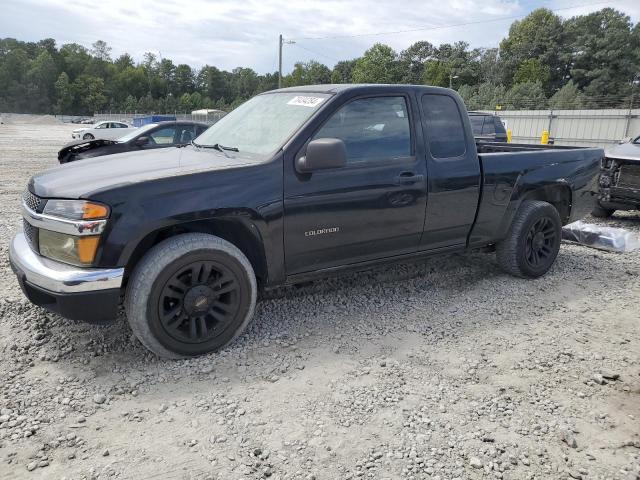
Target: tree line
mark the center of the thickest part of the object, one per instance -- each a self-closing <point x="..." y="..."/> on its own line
<point x="587" y="61"/>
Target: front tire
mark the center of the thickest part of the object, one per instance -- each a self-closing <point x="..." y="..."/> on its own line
<point x="189" y="295"/>
<point x="88" y="136"/>
<point x="532" y="242"/>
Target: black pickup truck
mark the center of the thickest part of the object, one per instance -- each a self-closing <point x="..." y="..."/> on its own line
<point x="293" y="185"/>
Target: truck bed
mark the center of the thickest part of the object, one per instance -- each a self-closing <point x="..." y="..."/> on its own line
<point x="514" y="170"/>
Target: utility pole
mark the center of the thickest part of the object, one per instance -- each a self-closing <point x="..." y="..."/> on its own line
<point x="634" y="85"/>
<point x="451" y="77"/>
<point x="280" y="61"/>
<point x="281" y="42"/>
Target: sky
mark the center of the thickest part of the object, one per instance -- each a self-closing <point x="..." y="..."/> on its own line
<point x="232" y="33"/>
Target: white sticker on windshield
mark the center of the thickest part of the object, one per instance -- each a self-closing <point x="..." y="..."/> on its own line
<point x="306" y="101"/>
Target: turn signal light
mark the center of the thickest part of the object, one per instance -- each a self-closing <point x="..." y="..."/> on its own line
<point x="87" y="247"/>
<point x="76" y="209"/>
<point x="92" y="211"/>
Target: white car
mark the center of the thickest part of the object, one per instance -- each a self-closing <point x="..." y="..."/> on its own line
<point x="106" y="130"/>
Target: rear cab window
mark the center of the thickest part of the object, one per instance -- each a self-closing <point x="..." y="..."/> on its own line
<point x="445" y="128"/>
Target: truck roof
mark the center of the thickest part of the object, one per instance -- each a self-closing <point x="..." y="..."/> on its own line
<point x="341" y="87"/>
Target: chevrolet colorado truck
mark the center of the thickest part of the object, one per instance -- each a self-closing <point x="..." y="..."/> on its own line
<point x="295" y="184"/>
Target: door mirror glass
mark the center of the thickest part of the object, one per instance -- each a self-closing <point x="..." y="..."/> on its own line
<point x="321" y="154"/>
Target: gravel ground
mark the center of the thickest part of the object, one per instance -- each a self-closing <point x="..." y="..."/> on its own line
<point x="446" y="369"/>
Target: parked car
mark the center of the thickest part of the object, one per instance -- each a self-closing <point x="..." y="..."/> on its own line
<point x="153" y="135"/>
<point x="295" y="184"/>
<point x="106" y="130"/>
<point x="619" y="179"/>
<point x="487" y="127"/>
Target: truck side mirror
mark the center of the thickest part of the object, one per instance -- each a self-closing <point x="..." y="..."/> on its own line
<point x="321" y="154"/>
<point x="142" y="141"/>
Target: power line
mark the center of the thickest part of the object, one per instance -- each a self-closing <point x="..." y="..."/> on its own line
<point x="315" y="53"/>
<point x="440" y="27"/>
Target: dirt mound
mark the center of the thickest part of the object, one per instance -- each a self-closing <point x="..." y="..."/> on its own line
<point x="30" y="119"/>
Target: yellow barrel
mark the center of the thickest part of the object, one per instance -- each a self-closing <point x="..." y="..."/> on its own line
<point x="544" y="139"/>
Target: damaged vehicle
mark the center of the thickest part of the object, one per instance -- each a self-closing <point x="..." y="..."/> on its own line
<point x="619" y="179"/>
<point x="153" y="135"/>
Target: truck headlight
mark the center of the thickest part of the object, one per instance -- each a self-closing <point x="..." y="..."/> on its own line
<point x="76" y="209"/>
<point x="66" y="248"/>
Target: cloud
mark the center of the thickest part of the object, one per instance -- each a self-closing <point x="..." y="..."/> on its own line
<point x="229" y="33"/>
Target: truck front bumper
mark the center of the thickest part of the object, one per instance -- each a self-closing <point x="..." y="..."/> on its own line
<point x="88" y="294"/>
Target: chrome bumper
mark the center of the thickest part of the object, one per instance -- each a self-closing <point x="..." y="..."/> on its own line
<point x="58" y="277"/>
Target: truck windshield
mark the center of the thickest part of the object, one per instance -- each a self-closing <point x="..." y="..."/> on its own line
<point x="263" y="124"/>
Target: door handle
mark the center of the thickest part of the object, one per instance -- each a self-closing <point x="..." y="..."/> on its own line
<point x="408" y="178"/>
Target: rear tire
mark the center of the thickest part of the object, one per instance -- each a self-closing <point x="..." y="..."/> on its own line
<point x="600" y="212"/>
<point x="532" y="242"/>
<point x="88" y="136"/>
<point x="191" y="294"/>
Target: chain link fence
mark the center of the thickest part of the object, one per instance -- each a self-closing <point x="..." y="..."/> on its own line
<point x="208" y="118"/>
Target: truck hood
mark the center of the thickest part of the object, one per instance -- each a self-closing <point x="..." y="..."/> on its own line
<point x="624" y="151"/>
<point x="81" y="179"/>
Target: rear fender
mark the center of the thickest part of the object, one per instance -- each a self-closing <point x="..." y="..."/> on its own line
<point x="557" y="193"/>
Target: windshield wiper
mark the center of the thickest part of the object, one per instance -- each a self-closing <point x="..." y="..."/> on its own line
<point x="216" y="146"/>
<point x="224" y="147"/>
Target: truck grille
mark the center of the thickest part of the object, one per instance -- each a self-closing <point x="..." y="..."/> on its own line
<point x="32" y="201"/>
<point x="629" y="176"/>
<point x="31" y="233"/>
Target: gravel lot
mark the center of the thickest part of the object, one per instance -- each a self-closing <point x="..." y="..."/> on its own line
<point x="438" y="370"/>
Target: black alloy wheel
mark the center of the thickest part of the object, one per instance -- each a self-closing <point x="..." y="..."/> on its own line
<point x="199" y="301"/>
<point x="532" y="242"/>
<point x="540" y="243"/>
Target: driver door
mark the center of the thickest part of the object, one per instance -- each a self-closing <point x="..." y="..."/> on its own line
<point x="374" y="206"/>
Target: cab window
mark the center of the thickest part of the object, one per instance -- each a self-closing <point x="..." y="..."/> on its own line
<point x="375" y="128"/>
<point x="445" y="129"/>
